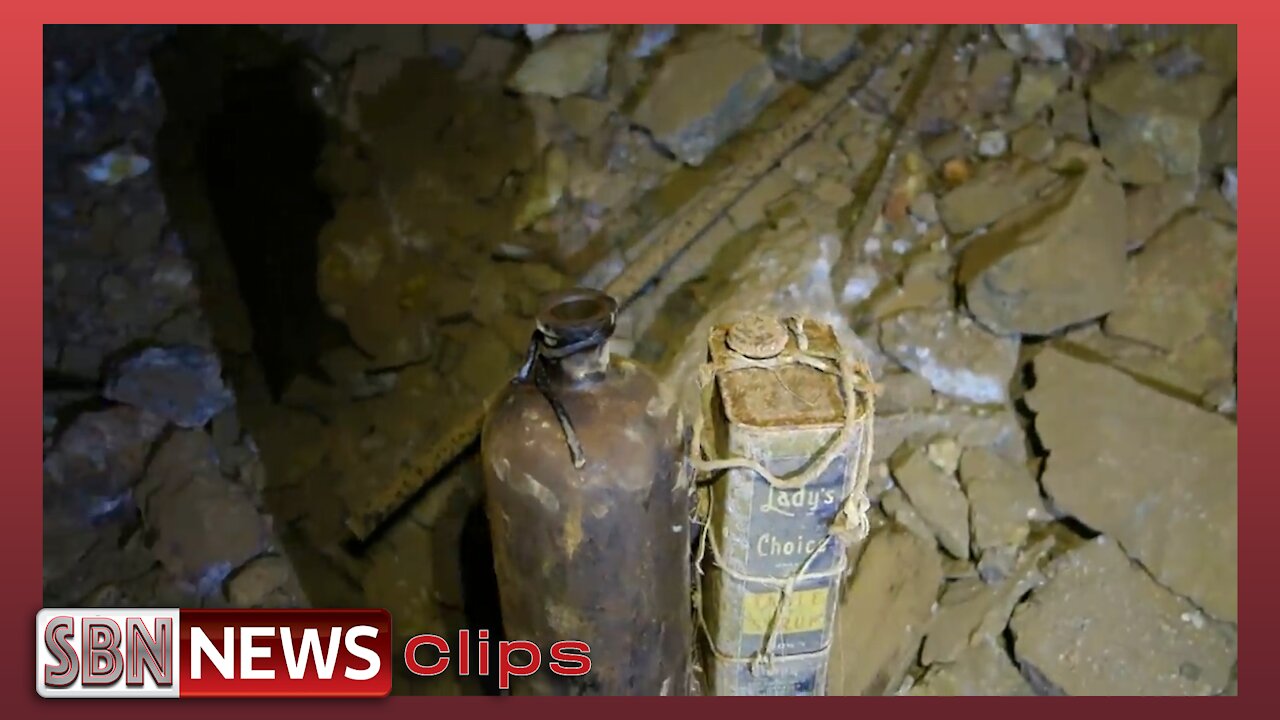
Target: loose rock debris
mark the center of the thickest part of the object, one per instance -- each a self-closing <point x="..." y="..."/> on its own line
<point x="1045" y="288"/>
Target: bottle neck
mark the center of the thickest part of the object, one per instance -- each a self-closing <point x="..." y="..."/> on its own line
<point x="588" y="366"/>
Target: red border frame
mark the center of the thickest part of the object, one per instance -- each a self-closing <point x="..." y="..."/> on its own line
<point x="21" y="288"/>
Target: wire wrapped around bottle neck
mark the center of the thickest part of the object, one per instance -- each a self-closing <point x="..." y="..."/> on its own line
<point x="546" y="345"/>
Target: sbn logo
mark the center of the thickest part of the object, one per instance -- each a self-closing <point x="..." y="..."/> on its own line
<point x="193" y="653"/>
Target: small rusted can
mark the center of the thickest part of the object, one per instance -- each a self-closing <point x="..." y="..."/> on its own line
<point x="589" y="509"/>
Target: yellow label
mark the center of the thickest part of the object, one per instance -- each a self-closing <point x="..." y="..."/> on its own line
<point x="806" y="611"/>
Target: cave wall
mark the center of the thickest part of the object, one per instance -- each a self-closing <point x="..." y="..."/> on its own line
<point x="152" y="487"/>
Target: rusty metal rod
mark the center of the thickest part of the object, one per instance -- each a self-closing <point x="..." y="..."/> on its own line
<point x="662" y="245"/>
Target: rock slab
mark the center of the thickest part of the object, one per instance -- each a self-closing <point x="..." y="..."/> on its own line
<point x="1102" y="626"/>
<point x="957" y="356"/>
<point x="705" y="94"/>
<point x="182" y="384"/>
<point x="883" y="613"/>
<point x="1062" y="265"/>
<point x="1156" y="473"/>
<point x="937" y="497"/>
<point x="565" y="65"/>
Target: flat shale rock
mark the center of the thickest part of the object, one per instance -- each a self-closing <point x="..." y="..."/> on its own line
<point x="984" y="669"/>
<point x="810" y="52"/>
<point x="1003" y="501"/>
<point x="1182" y="281"/>
<point x="1037" y="42"/>
<point x="883" y="613"/>
<point x="203" y="525"/>
<point x="1070" y="114"/>
<point x="971" y="426"/>
<point x="1034" y="143"/>
<point x="956" y="355"/>
<point x="1063" y="264"/>
<point x="1102" y="626"/>
<point x="1150" y="207"/>
<point x="938" y="499"/>
<point x="971" y="611"/>
<point x="902" y="392"/>
<point x="565" y="65"/>
<point x="1149" y="125"/>
<point x="896" y="506"/>
<point x="1201" y="370"/>
<point x="1218" y="138"/>
<point x="101" y="454"/>
<point x="703" y="95"/>
<point x="649" y="39"/>
<point x="1156" y="473"/>
<point x="991" y="80"/>
<point x="182" y="384"/>
<point x="998" y="189"/>
<point x="1036" y="89"/>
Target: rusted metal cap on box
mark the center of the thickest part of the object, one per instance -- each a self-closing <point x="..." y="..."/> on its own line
<point x="758" y="337"/>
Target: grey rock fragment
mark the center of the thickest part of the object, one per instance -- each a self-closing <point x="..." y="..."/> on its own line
<point x="1063" y="264"/>
<point x="957" y="356"/>
<point x="937" y="497"/>
<point x="1156" y="473"/>
<point x="565" y="65"/>
<point x="1102" y="626"/>
<point x="182" y="384"/>
<point x="896" y="582"/>
<point x="701" y="96"/>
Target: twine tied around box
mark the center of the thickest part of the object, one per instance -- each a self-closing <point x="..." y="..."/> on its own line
<point x="759" y="342"/>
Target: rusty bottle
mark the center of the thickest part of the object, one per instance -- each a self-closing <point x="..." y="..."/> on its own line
<point x="588" y="508"/>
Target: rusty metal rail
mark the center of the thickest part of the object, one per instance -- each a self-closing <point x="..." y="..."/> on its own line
<point x="661" y="245"/>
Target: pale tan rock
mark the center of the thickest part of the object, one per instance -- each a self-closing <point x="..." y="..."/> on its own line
<point x="266" y="581"/>
<point x="937" y="497"/>
<point x="970" y="426"/>
<point x="992" y="79"/>
<point x="701" y="96"/>
<point x="566" y="64"/>
<point x="997" y="190"/>
<point x="203" y="525"/>
<point x="1156" y="473"/>
<point x="1102" y="626"/>
<point x="1149" y="126"/>
<point x="1218" y="137"/>
<point x="883" y="613"/>
<point x="583" y="115"/>
<point x="749" y="210"/>
<point x="1034" y="143"/>
<point x="1070" y="115"/>
<point x="901" y="392"/>
<point x="543" y="190"/>
<point x="813" y="158"/>
<point x="926" y="283"/>
<point x="956" y="355"/>
<point x="895" y="504"/>
<point x="982" y="670"/>
<point x="1183" y="279"/>
<point x="809" y="52"/>
<point x="1004" y="500"/>
<point x="971" y="611"/>
<point x="1150" y="207"/>
<point x="1192" y="371"/>
<point x="487" y="61"/>
<point x="1036" y="89"/>
<point x="944" y="454"/>
<point x="1063" y="265"/>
